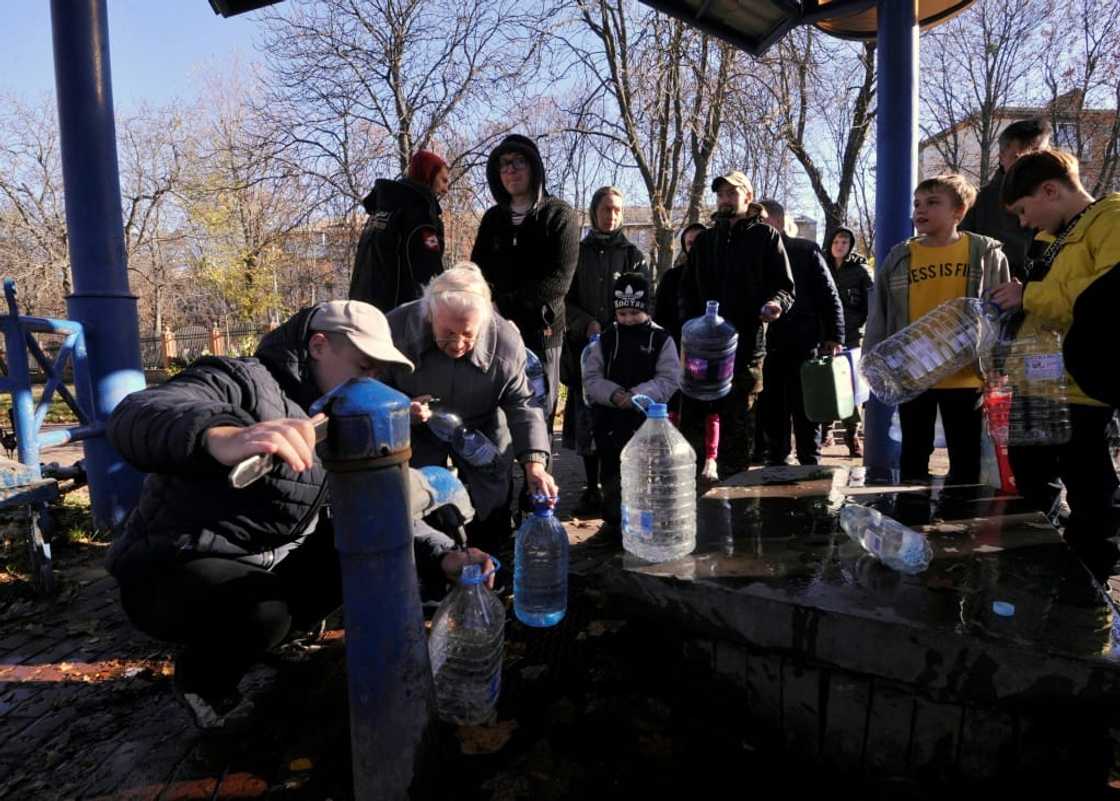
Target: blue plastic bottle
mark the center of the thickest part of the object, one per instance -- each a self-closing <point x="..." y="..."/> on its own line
<point x="708" y="347"/>
<point x="534" y="372"/>
<point x="540" y="568"/>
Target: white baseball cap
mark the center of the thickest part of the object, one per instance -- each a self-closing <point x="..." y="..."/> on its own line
<point x="364" y="325"/>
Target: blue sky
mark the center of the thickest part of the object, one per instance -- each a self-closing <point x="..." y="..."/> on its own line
<point x="158" y="48"/>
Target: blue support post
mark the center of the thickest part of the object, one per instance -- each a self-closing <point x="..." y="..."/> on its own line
<point x="366" y="456"/>
<point x="101" y="300"/>
<point x="895" y="178"/>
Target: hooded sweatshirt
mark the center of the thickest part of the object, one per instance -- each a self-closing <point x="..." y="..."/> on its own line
<point x="853" y="282"/>
<point x="529" y="266"/>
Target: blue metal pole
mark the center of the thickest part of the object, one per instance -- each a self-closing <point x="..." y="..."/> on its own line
<point x="895" y="178"/>
<point x="101" y="300"/>
<point x="366" y="456"/>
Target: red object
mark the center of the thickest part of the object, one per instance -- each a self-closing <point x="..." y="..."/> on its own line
<point x="711" y="436"/>
<point x="997" y="411"/>
<point x="424" y="166"/>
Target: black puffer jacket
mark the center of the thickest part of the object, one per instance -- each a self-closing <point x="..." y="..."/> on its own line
<point x="529" y="266"/>
<point x="602" y="259"/>
<point x="853" y="282"/>
<point x="401" y="247"/>
<point x="743" y="265"/>
<point x="187" y="505"/>
<point x="816" y="315"/>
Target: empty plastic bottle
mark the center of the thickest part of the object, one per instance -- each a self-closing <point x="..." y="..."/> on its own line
<point x="465" y="648"/>
<point x="934" y="347"/>
<point x="658" y="490"/>
<point x="892" y="543"/>
<point x="534" y="372"/>
<point x="469" y="444"/>
<point x="540" y="568"/>
<point x="1035" y="369"/>
<point x="708" y="346"/>
<point x="583" y="358"/>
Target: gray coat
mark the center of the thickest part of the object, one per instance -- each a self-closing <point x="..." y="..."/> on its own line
<point x="889" y="307"/>
<point x="487" y="388"/>
<point x="661" y="387"/>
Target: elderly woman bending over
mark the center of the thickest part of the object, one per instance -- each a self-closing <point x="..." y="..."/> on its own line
<point x="473" y="360"/>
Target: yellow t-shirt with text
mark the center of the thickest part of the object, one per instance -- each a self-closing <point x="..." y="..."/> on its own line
<point x="938" y="274"/>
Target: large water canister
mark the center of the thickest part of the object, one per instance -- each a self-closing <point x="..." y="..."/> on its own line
<point x="540" y="568"/>
<point x="708" y="347"/>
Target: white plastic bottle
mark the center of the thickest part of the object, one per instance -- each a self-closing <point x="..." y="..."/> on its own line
<point x="892" y="543"/>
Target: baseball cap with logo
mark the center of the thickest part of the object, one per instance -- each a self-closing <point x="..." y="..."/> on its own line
<point x="364" y="325"/>
<point x="735" y="178"/>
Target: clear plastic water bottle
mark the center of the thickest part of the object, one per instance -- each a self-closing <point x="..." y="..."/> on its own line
<point x="469" y="444"/>
<point x="534" y="372"/>
<point x="946" y="340"/>
<point x="465" y="649"/>
<point x="540" y="568"/>
<point x="708" y="346"/>
<point x="892" y="543"/>
<point x="1039" y="393"/>
<point x="583" y="359"/>
<point x="658" y="490"/>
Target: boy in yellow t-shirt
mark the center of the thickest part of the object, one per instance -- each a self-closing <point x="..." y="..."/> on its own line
<point x="939" y="264"/>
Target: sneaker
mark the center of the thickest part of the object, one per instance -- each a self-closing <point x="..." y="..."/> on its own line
<point x="590" y="503"/>
<point x="212" y="712"/>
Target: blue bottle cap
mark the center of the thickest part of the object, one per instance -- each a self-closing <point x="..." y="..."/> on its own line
<point x="657" y="411"/>
<point x="542" y="505"/>
<point x="1003" y="608"/>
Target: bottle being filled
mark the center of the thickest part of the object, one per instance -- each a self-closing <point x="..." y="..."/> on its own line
<point x="892" y="543"/>
<point x="708" y="346"/>
<point x="583" y="359"/>
<point x="935" y="346"/>
<point x="1035" y="370"/>
<point x="658" y="490"/>
<point x="465" y="649"/>
<point x="540" y="568"/>
<point x="469" y="444"/>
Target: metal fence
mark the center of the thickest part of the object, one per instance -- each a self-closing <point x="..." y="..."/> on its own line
<point x="182" y="346"/>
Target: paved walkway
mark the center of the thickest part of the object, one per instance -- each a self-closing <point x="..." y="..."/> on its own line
<point x="87" y="711"/>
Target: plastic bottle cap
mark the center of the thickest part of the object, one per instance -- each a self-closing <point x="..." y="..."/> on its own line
<point x="658" y="411"/>
<point x="1003" y="608"/>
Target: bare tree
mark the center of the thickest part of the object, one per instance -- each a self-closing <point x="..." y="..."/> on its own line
<point x="1081" y="64"/>
<point x="973" y="66"/>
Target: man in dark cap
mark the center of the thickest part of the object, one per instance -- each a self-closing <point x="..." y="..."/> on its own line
<point x="527" y="248"/>
<point x="741" y="263"/>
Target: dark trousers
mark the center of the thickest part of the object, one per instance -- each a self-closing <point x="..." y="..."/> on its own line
<point x="550" y="360"/>
<point x="610" y="474"/>
<point x="961" y="420"/>
<point x="780" y="404"/>
<point x="225" y="613"/>
<point x="1084" y="465"/>
<point x="736" y="422"/>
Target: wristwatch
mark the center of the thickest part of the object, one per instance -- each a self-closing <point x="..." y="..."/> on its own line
<point x="540" y="457"/>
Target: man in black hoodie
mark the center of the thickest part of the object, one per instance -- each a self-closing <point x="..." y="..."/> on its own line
<point x="401" y="248"/>
<point x="816" y="322"/>
<point x="228" y="573"/>
<point x="527" y="248"/>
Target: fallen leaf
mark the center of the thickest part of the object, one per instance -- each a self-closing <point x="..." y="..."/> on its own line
<point x="301" y="764"/>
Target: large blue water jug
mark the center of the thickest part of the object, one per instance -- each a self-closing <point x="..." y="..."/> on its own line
<point x="540" y="568"/>
<point x="465" y="649"/>
<point x="708" y="346"/>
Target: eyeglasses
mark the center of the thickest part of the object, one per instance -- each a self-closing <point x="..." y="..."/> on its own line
<point x="515" y="164"/>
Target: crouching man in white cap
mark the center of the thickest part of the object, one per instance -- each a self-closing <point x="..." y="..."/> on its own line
<point x="229" y="574"/>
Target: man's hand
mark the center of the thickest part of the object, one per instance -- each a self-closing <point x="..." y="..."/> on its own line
<point x="1008" y="296"/>
<point x="290" y="440"/>
<point x="830" y="348"/>
<point x="539" y="482"/>
<point x="453" y="562"/>
<point x="621" y="398"/>
<point x="594" y="328"/>
<point x="770" y="311"/>
<point x="419" y="409"/>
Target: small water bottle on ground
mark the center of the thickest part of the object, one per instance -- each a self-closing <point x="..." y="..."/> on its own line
<point x="583" y="359"/>
<point x="540" y="568"/>
<point x="946" y="340"/>
<point x="892" y="543"/>
<point x="708" y="347"/>
<point x="534" y="372"/>
<point x="658" y="490"/>
<point x="465" y="649"/>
